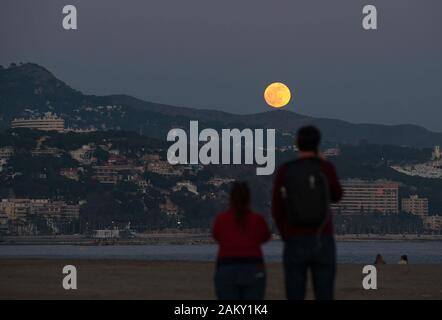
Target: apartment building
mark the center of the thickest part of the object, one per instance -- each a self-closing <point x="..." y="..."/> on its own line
<point x="433" y="223"/>
<point x="112" y="173"/>
<point x="368" y="196"/>
<point x="415" y="205"/>
<point x="20" y="209"/>
<point x="49" y="122"/>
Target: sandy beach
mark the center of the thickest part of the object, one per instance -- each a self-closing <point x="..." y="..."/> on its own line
<point x="123" y="279"/>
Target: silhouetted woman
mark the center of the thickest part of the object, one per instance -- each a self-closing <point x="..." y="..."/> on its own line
<point x="240" y="272"/>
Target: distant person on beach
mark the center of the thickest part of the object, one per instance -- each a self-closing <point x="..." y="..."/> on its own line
<point x="379" y="260"/>
<point x="240" y="272"/>
<point x="302" y="192"/>
<point x="403" y="260"/>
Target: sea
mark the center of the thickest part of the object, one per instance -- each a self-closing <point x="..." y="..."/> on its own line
<point x="353" y="252"/>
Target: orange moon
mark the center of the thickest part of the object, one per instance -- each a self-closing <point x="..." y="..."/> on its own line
<point x="277" y="95"/>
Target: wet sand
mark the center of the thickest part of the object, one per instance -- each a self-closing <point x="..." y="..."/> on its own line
<point x="120" y="279"/>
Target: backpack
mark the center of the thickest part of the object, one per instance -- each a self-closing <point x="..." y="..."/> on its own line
<point x="305" y="193"/>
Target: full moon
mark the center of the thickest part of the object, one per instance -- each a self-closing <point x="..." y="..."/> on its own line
<point x="277" y="95"/>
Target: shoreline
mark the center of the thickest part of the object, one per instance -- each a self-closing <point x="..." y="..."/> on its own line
<point x="183" y="239"/>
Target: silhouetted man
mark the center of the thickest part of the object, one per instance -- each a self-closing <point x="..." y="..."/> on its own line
<point x="303" y="190"/>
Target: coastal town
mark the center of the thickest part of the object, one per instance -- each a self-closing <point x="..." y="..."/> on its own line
<point x="84" y="169"/>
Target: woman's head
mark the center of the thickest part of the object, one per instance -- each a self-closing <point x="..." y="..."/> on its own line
<point x="240" y="199"/>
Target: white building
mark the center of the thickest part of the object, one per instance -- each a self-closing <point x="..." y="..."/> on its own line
<point x="415" y="205"/>
<point x="49" y="122"/>
<point x="189" y="186"/>
<point x="163" y="167"/>
<point x="80" y="130"/>
<point x="424" y="170"/>
<point x="437" y="155"/>
<point x="433" y="223"/>
<point x="107" y="234"/>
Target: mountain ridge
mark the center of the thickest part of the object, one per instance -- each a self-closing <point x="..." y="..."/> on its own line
<point x="32" y="86"/>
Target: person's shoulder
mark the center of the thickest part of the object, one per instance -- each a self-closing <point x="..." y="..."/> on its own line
<point x="257" y="216"/>
<point x="223" y="215"/>
<point x="283" y="167"/>
<point x="327" y="164"/>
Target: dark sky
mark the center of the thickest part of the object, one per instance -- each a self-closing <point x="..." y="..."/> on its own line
<point x="220" y="54"/>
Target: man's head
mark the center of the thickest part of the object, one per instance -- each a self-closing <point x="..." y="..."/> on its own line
<point x="308" y="139"/>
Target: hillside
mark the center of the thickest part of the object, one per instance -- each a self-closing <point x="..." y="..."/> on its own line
<point x="30" y="88"/>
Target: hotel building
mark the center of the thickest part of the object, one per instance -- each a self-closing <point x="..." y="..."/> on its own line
<point x="49" y="122"/>
<point x="368" y="196"/>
